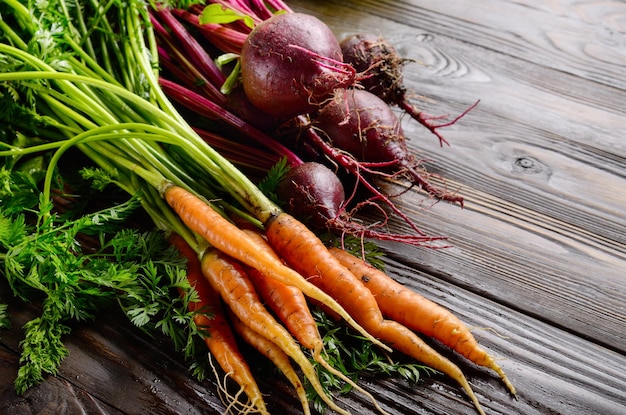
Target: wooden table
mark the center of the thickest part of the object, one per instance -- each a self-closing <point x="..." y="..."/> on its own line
<point x="539" y="251"/>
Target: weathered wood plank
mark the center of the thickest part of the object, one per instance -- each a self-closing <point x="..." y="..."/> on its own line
<point x="539" y="252"/>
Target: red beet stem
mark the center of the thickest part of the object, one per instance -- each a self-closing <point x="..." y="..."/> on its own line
<point x="196" y="53"/>
<point x="207" y="108"/>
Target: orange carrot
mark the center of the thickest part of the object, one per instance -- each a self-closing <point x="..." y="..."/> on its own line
<point x="276" y="355"/>
<point x="229" y="279"/>
<point x="407" y="307"/>
<point x="222" y="234"/>
<point x="304" y="252"/>
<point x="216" y="330"/>
<point x="290" y="305"/>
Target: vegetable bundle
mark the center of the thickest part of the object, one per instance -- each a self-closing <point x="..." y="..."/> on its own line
<point x="303" y="86"/>
<point x="84" y="75"/>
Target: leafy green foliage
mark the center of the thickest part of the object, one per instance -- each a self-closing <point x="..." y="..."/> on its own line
<point x="234" y="77"/>
<point x="5" y="321"/>
<point x="42" y="349"/>
<point x="75" y="266"/>
<point x="99" y="178"/>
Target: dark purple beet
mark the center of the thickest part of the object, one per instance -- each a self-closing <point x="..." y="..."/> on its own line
<point x="292" y="62"/>
<point x="378" y="63"/>
<point x="362" y="124"/>
<point x="312" y="191"/>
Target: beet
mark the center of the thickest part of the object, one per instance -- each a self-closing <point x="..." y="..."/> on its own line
<point x="313" y="191"/>
<point x="362" y="124"/>
<point x="380" y="64"/>
<point x="314" y="194"/>
<point x="292" y="62"/>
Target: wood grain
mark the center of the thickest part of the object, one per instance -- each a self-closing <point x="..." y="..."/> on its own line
<point x="538" y="263"/>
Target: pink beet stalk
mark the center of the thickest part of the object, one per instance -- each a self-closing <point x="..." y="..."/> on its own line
<point x="206" y="108"/>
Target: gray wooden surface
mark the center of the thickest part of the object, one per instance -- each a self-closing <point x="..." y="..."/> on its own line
<point x="538" y="264"/>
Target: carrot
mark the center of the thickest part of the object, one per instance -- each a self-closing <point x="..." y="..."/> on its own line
<point x="216" y="330"/>
<point x="222" y="234"/>
<point x="290" y="305"/>
<point x="303" y="251"/>
<point x="229" y="279"/>
<point x="276" y="355"/>
<point x="420" y="314"/>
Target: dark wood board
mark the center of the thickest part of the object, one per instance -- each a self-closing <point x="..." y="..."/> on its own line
<point x="538" y="263"/>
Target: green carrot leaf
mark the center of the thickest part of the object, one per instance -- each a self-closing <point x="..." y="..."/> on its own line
<point x="272" y="179"/>
<point x="5" y="321"/>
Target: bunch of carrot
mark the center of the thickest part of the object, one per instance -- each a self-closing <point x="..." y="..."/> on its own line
<point x="117" y="114"/>
<point x="383" y="307"/>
